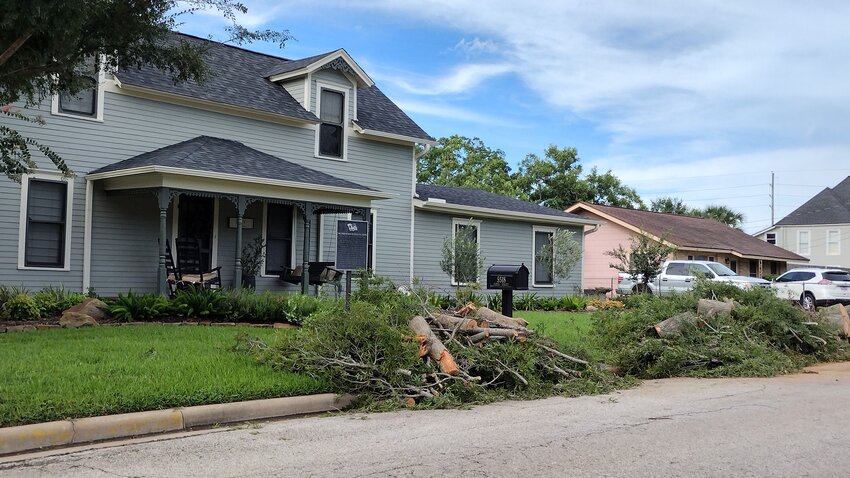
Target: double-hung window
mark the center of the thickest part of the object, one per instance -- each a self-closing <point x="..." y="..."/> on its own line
<point x="332" y="127"/>
<point x="45" y="224"/>
<point x="279" y="230"/>
<point x="804" y="245"/>
<point x="833" y="242"/>
<point x="466" y="266"/>
<point x="85" y="102"/>
<point x="543" y="259"/>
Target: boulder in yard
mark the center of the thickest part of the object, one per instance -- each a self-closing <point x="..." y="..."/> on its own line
<point x="72" y="320"/>
<point x="92" y="307"/>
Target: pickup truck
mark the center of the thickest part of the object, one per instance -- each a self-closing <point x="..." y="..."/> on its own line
<point x="678" y="276"/>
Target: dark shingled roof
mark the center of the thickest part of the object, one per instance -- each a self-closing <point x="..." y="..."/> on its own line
<point x="478" y="198"/>
<point x="205" y="153"/>
<point x="830" y="206"/>
<point x="696" y="232"/>
<point x="240" y="78"/>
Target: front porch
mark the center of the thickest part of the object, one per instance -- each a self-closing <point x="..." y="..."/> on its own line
<point x="136" y="209"/>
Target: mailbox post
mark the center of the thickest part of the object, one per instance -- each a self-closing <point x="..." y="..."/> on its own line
<point x="507" y="278"/>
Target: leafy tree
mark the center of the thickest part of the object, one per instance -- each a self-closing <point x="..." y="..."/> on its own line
<point x="556" y="181"/>
<point x="461" y="258"/>
<point x="45" y="46"/>
<point x="561" y="254"/>
<point x="669" y="205"/>
<point x="459" y="161"/>
<point x="677" y="206"/>
<point x="642" y="261"/>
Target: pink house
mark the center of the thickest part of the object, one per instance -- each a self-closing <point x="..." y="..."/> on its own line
<point x="695" y="239"/>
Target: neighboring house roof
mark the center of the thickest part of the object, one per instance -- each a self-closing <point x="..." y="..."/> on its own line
<point x="690" y="233"/>
<point x="451" y="199"/>
<point x="216" y="155"/>
<point x="239" y="78"/>
<point x="830" y="206"/>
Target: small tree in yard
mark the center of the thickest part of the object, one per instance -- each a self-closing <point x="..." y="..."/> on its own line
<point x="643" y="259"/>
<point x="561" y="254"/>
<point x="461" y="257"/>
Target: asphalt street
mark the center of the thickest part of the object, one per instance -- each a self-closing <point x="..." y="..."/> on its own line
<point x="795" y="425"/>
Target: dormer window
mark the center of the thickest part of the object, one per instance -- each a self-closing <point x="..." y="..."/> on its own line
<point x="86" y="103"/>
<point x="332" y="126"/>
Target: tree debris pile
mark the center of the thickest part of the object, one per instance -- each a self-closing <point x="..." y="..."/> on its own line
<point x="387" y="355"/>
<point x="718" y="330"/>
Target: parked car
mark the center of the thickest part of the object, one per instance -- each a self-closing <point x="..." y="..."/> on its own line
<point x="679" y="276"/>
<point x="814" y="287"/>
<point x="625" y="284"/>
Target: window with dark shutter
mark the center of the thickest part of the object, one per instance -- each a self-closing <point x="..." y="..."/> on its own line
<point x="331" y="129"/>
<point x="278" y="238"/>
<point x="45" y="234"/>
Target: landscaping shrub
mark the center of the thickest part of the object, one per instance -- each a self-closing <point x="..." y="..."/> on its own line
<point x="527" y="301"/>
<point x="7" y="292"/>
<point x="606" y="304"/>
<point x="21" y="307"/>
<point x="572" y="302"/>
<point x="139" y="307"/>
<point x="494" y="301"/>
<point x="201" y="303"/>
<point x="549" y="303"/>
<point x="297" y="307"/>
<point x="764" y="336"/>
<point x="52" y="301"/>
<point x="268" y="307"/>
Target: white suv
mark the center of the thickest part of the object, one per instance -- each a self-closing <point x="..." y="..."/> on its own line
<point x="813" y="287"/>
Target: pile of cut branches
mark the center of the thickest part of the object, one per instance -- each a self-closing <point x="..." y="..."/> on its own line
<point x="389" y="349"/>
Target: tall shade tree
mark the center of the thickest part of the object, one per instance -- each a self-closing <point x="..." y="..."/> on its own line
<point x="555" y="180"/>
<point x="669" y="205"/>
<point x="459" y="161"/>
<point x="45" y="45"/>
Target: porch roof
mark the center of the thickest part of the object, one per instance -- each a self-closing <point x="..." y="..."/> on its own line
<point x="223" y="159"/>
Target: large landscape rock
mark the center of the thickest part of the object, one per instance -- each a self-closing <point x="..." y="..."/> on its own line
<point x="86" y="313"/>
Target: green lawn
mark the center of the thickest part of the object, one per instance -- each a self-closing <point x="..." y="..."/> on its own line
<point x="70" y="373"/>
<point x="568" y="329"/>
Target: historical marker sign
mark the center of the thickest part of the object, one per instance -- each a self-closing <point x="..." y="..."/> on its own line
<point x="352" y="244"/>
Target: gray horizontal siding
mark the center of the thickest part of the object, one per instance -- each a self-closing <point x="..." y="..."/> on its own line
<point x="502" y="242"/>
<point x="123" y="229"/>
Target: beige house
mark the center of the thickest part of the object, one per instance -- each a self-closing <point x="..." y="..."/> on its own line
<point x="819" y="230"/>
<point x="695" y="239"/>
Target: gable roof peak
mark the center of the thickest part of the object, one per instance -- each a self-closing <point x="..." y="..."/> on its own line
<point x="338" y="59"/>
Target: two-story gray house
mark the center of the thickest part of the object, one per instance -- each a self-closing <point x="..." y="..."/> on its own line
<point x="268" y="147"/>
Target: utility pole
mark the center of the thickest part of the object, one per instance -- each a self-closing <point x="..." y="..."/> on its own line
<point x="772" y="199"/>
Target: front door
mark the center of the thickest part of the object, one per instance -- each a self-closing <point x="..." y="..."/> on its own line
<point x="195" y="219"/>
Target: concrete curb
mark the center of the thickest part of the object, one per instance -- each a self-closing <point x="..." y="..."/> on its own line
<point x="84" y="430"/>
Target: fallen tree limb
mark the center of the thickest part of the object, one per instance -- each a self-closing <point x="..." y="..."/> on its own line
<point x="836" y="319"/>
<point x="709" y="308"/>
<point x="432" y="346"/>
<point x="496" y="318"/>
<point x="454" y="323"/>
<point x="674" y="325"/>
<point x="563" y="355"/>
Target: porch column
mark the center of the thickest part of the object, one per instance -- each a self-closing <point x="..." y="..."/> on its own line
<point x="305" y="262"/>
<point x="240" y="212"/>
<point x="164" y="198"/>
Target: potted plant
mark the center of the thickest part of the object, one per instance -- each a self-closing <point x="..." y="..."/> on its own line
<point x="252" y="260"/>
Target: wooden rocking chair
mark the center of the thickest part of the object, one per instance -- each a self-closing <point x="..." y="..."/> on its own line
<point x="189" y="266"/>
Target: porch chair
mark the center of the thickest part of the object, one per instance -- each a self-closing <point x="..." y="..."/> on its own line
<point x="318" y="273"/>
<point x="189" y="265"/>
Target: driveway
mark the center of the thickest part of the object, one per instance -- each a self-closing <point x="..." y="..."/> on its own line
<point x="794" y="425"/>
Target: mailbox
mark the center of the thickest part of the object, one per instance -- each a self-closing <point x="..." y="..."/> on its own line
<point x="507" y="278"/>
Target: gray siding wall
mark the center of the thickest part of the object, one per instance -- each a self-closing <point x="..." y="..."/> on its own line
<point x="502" y="242"/>
<point x="337" y="80"/>
<point x="296" y="89"/>
<point x="124" y="247"/>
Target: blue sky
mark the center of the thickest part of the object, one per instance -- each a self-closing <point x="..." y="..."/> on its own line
<point x="699" y="100"/>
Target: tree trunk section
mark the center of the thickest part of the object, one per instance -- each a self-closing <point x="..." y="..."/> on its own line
<point x="836" y="319"/>
<point x="502" y="320"/>
<point x="711" y="308"/>
<point x="433" y="346"/>
<point x="674" y="325"/>
<point x="451" y="323"/>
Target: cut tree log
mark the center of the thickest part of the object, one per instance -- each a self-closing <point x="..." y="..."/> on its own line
<point x="674" y="325"/>
<point x="708" y="307"/>
<point x="451" y="323"/>
<point x="468" y="308"/>
<point x="836" y="318"/>
<point x="502" y="320"/>
<point x="433" y="346"/>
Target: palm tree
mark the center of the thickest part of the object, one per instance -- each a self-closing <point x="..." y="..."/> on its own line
<point x="721" y="213"/>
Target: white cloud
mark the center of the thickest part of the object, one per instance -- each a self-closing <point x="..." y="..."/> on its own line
<point x="476" y="46"/>
<point x="442" y="110"/>
<point x="460" y="80"/>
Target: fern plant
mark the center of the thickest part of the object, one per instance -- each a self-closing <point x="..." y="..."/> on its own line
<point x="201" y="302"/>
<point x="138" y="307"/>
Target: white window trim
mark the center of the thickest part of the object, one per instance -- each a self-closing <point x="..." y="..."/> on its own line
<point x="767" y="238"/>
<point x="345" y="128"/>
<point x="373" y="231"/>
<point x="22" y="225"/>
<point x="837" y="242"/>
<point x="534" y="231"/>
<point x="463" y="222"/>
<point x="808" y="251"/>
<point x="264" y="236"/>
<point x="98" y="113"/>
